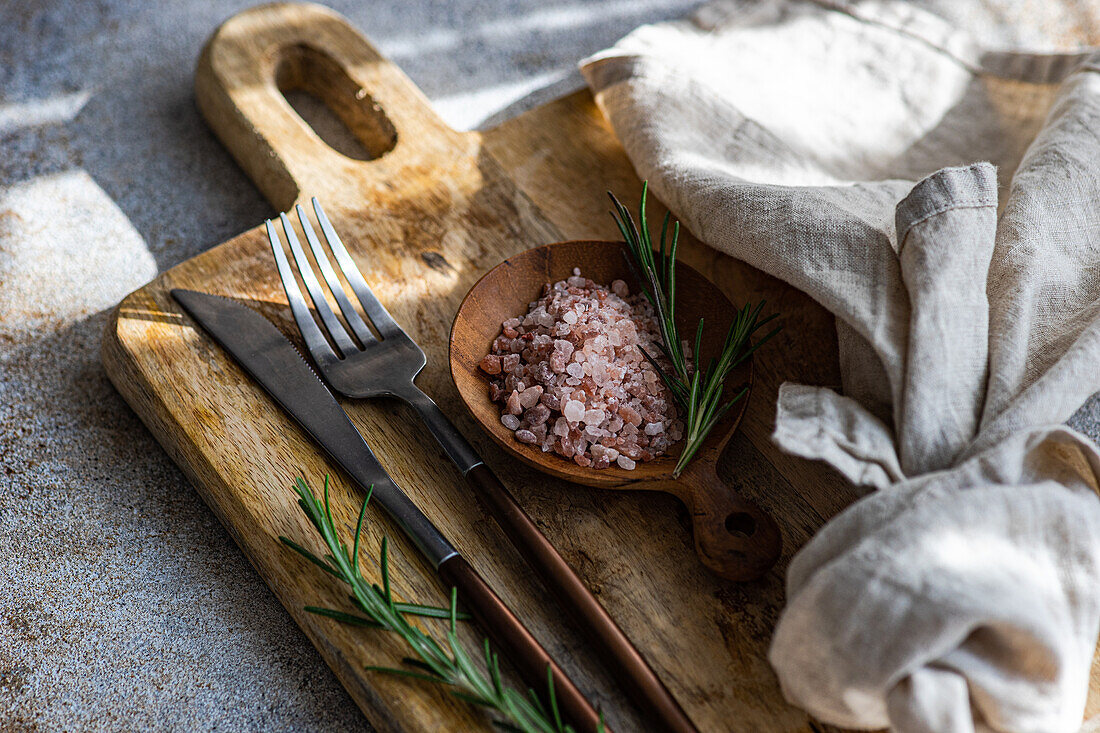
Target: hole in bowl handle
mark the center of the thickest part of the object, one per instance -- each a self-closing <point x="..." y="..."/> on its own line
<point x="733" y="536"/>
<point x="254" y="56"/>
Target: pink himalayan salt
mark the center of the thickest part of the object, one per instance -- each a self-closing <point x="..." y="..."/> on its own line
<point x="530" y="397"/>
<point x="538" y="414"/>
<point x="573" y="411"/>
<point x="595" y="417"/>
<point x="572" y="378"/>
<point x="490" y="364"/>
<point x="630" y="415"/>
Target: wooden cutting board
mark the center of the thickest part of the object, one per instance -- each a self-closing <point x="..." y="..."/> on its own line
<point x="425" y="218"/>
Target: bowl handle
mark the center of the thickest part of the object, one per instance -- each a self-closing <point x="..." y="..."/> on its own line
<point x="733" y="536"/>
<point x="254" y="56"/>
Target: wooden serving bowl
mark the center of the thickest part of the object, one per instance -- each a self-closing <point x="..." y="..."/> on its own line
<point x="733" y="536"/>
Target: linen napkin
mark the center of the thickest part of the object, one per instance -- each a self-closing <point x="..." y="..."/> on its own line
<point x="943" y="202"/>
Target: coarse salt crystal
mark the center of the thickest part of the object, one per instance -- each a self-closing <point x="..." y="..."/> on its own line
<point x="490" y="364"/>
<point x="510" y="421"/>
<point x="530" y="397"/>
<point x="594" y="417"/>
<point x="630" y="415"/>
<point x="601" y="451"/>
<point x="537" y="415"/>
<point x="573" y="411"/>
<point x="625" y="463"/>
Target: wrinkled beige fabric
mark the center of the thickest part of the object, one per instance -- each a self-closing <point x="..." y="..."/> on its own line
<point x="944" y="204"/>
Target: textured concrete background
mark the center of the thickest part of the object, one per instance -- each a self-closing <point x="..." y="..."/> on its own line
<point x="123" y="603"/>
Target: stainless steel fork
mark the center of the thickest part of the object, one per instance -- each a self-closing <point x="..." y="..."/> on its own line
<point x="388" y="366"/>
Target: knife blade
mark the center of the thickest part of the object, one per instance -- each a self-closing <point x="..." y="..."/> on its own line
<point x="273" y="361"/>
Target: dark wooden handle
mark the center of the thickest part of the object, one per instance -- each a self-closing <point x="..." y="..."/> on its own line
<point x="515" y="642"/>
<point x="733" y="536"/>
<point x="615" y="649"/>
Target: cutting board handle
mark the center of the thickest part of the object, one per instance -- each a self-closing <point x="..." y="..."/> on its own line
<point x="254" y="57"/>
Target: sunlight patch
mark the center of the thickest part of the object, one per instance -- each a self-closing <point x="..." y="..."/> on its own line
<point x="66" y="252"/>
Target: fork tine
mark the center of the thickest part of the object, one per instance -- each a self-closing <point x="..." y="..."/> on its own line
<point x="315" y="340"/>
<point x="350" y="314"/>
<point x="375" y="311"/>
<point x="335" y="328"/>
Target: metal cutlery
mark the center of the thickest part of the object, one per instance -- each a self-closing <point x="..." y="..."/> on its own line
<point x="275" y="363"/>
<point x="362" y="365"/>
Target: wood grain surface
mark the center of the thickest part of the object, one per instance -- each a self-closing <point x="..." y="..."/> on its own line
<point x="425" y="218"/>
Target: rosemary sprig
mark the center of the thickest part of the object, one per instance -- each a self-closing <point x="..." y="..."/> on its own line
<point x="476" y="683"/>
<point x="698" y="392"/>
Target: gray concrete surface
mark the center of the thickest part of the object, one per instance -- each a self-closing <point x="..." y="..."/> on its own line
<point x="123" y="603"/>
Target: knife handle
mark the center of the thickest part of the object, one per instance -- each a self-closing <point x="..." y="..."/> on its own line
<point x="516" y="643"/>
<point x="615" y="649"/>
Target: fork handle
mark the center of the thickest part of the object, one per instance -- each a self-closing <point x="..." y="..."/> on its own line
<point x="512" y="638"/>
<point x="453" y="443"/>
<point x="615" y="648"/>
<point x="636" y="676"/>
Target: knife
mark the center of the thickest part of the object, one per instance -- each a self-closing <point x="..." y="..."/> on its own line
<point x="273" y="361"/>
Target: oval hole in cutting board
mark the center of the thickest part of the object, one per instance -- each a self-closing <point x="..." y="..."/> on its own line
<point x="329" y="101"/>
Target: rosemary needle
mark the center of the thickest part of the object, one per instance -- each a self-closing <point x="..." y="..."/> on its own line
<point x="697" y="392"/>
<point x="476" y="683"/>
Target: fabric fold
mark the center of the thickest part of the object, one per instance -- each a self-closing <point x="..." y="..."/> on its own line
<point x="819" y="424"/>
<point x="941" y="201"/>
<point x="946" y="229"/>
<point x="1044" y="290"/>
